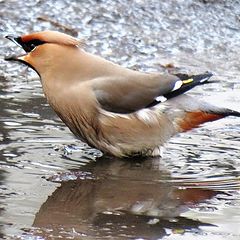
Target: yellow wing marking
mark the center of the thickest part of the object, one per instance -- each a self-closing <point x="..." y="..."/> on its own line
<point x="187" y="81"/>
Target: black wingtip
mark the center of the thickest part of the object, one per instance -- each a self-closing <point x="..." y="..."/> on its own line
<point x="190" y="82"/>
<point x="202" y="78"/>
<point x="196" y="78"/>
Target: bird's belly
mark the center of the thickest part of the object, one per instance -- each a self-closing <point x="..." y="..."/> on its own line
<point x="135" y="134"/>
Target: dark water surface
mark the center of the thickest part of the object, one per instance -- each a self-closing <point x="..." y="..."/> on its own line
<point x="53" y="186"/>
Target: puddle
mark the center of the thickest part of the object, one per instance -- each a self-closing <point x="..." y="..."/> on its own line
<point x="53" y="186"/>
<point x="138" y="199"/>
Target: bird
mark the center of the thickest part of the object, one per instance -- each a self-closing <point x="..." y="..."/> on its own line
<point x="120" y="111"/>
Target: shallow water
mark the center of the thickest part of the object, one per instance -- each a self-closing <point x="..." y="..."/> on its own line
<point x="56" y="187"/>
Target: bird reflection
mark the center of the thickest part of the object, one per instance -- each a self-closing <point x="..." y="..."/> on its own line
<point x="118" y="198"/>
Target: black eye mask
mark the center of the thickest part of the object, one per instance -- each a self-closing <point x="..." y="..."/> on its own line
<point x="30" y="45"/>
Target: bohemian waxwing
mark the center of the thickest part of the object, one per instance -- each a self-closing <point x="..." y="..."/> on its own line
<point x="114" y="109"/>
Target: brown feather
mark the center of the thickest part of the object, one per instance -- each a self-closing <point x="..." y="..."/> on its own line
<point x="194" y="119"/>
<point x="53" y="37"/>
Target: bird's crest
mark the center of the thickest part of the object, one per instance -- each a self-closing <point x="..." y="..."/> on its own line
<point x="53" y="37"/>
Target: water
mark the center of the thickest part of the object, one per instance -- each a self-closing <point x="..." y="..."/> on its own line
<point x="55" y="187"/>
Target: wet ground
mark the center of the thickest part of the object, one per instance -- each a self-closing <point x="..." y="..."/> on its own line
<point x="55" y="187"/>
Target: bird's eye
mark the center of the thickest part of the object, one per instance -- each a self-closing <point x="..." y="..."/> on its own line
<point x="31" y="45"/>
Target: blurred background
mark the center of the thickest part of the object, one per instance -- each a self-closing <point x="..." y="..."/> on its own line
<point x="52" y="186"/>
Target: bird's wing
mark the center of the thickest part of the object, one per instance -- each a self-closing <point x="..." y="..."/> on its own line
<point x="131" y="93"/>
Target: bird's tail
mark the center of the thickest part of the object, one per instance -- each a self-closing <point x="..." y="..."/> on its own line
<point x="195" y="118"/>
<point x="188" y="113"/>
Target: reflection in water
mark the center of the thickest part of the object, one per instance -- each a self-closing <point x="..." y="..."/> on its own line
<point x="118" y="198"/>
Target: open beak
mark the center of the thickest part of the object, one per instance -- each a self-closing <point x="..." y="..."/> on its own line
<point x="17" y="41"/>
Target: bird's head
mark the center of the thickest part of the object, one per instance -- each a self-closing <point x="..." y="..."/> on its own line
<point x="44" y="48"/>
